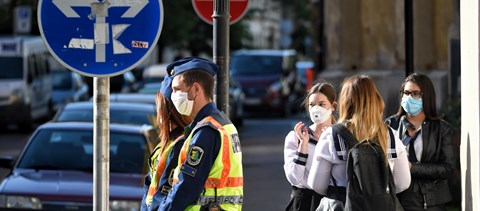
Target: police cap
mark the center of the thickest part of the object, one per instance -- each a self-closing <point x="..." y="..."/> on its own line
<point x="166" y="87"/>
<point x="188" y="63"/>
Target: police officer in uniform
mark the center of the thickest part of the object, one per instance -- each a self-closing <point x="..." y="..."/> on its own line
<point x="164" y="158"/>
<point x="209" y="174"/>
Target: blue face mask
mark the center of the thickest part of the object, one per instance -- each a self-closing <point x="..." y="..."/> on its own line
<point x="411" y="105"/>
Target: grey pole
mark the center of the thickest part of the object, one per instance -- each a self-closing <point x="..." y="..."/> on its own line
<point x="409" y="65"/>
<point x="101" y="114"/>
<point x="101" y="143"/>
<point x="221" y="50"/>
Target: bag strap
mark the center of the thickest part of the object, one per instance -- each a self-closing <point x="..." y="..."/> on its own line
<point x="392" y="150"/>
<point x="346" y="135"/>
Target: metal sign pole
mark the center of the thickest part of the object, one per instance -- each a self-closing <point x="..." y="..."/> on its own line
<point x="409" y="63"/>
<point x="101" y="143"/>
<point x="221" y="47"/>
<point x="94" y="44"/>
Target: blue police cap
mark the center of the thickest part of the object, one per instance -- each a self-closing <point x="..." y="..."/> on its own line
<point x="166" y="87"/>
<point x="189" y="63"/>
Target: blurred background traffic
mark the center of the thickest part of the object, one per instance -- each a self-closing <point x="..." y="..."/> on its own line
<point x="277" y="50"/>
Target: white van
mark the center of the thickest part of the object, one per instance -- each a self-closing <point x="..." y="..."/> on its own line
<point x="25" y="84"/>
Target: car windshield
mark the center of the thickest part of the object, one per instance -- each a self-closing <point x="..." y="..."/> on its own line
<point x="61" y="80"/>
<point x="255" y="65"/>
<point x="12" y="67"/>
<point x="134" y="117"/>
<point x="68" y="149"/>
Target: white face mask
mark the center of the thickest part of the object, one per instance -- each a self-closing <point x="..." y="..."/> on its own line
<point x="181" y="103"/>
<point x="319" y="114"/>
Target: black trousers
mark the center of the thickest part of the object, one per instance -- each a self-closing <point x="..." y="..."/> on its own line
<point x="303" y="199"/>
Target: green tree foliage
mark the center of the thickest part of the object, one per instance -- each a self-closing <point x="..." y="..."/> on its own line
<point x="183" y="29"/>
<point x="302" y="25"/>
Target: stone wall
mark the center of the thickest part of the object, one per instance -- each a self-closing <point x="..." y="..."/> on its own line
<point x="370" y="34"/>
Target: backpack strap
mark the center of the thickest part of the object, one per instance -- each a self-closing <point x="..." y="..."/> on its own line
<point x="391" y="152"/>
<point x="345" y="134"/>
<point x="341" y="146"/>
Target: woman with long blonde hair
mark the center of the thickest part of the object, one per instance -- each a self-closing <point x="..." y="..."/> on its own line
<point x="361" y="112"/>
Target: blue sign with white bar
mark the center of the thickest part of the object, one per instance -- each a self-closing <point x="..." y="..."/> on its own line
<point x="100" y="37"/>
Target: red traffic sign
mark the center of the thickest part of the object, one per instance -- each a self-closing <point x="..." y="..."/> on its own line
<point x="204" y="9"/>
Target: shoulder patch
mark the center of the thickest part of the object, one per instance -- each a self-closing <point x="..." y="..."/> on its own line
<point x="195" y="155"/>
<point x="236" y="143"/>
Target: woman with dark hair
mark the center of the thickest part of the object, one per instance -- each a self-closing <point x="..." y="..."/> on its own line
<point x="164" y="158"/>
<point x="428" y="140"/>
<point x="320" y="102"/>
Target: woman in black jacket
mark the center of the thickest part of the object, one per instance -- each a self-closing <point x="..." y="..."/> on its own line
<point x="428" y="140"/>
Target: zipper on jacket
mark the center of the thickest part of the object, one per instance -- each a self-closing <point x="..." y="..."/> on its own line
<point x="425" y="201"/>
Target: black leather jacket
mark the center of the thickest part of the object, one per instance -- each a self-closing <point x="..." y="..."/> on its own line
<point x="429" y="186"/>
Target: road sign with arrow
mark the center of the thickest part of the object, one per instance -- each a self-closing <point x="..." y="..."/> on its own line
<point x="100" y="38"/>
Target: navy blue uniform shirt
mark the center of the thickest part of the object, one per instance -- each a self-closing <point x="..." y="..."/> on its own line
<point x="195" y="170"/>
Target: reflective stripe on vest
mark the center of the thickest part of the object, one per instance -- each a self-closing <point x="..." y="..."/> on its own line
<point x="155" y="178"/>
<point x="204" y="200"/>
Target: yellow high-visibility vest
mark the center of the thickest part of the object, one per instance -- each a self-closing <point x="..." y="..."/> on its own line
<point x="226" y="176"/>
<point x="156" y="171"/>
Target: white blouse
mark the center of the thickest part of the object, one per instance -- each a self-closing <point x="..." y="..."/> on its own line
<point x="326" y="165"/>
<point x="297" y="165"/>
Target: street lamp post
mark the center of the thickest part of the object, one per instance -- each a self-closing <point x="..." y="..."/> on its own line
<point x="409" y="65"/>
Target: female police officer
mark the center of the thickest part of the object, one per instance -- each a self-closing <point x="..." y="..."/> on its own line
<point x="165" y="155"/>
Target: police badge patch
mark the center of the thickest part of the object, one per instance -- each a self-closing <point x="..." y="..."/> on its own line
<point x="236" y="143"/>
<point x="195" y="155"/>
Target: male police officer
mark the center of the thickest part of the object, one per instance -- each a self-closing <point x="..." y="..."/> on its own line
<point x="209" y="174"/>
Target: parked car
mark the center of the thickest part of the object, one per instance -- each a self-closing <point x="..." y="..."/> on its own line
<point x="133" y="98"/>
<point x="123" y="113"/>
<point x="55" y="169"/>
<point x="124" y="83"/>
<point x="149" y="88"/>
<point x="154" y="73"/>
<point x="152" y="78"/>
<point x="25" y="82"/>
<point x="68" y="86"/>
<point x="268" y="78"/>
<point x="236" y="99"/>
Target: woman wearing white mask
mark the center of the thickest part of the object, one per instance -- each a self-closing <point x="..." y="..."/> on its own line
<point x="320" y="103"/>
<point x="428" y="141"/>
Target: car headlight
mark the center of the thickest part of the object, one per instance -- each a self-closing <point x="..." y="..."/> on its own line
<point x="275" y="88"/>
<point x="17" y="96"/>
<point x="24" y="202"/>
<point x="117" y="205"/>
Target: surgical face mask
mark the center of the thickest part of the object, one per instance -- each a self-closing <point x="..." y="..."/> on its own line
<point x="181" y="103"/>
<point x="319" y="114"/>
<point x="411" y="105"/>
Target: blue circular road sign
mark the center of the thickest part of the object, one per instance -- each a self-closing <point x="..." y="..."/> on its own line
<point x="100" y="37"/>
